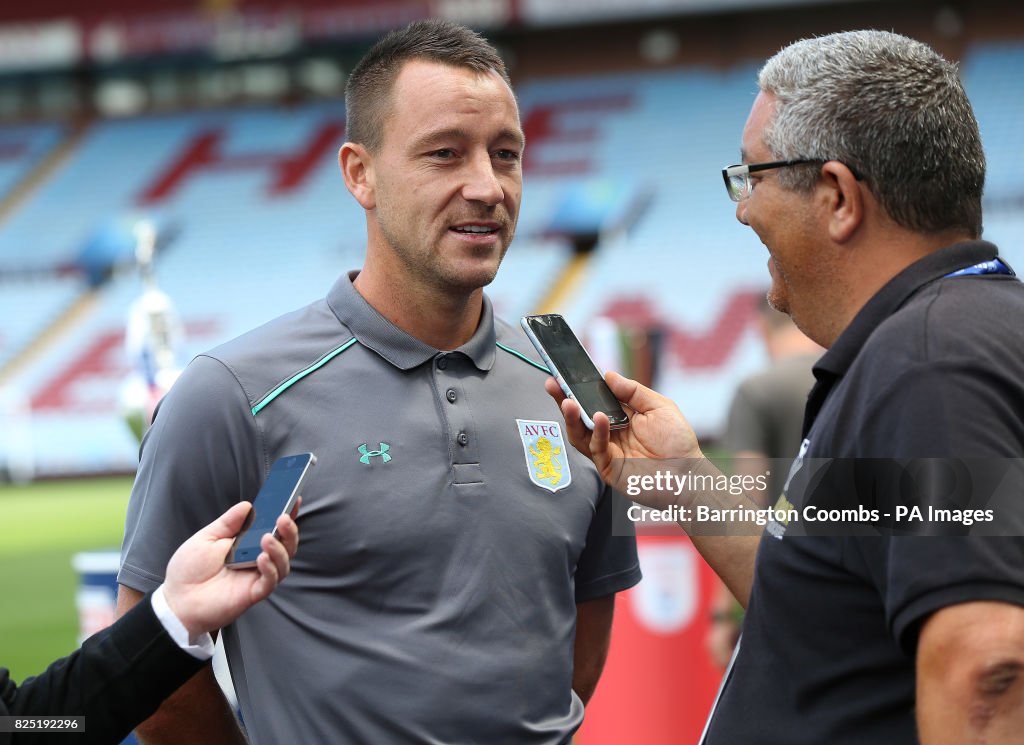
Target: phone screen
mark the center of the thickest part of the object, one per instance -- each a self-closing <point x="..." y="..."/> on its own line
<point x="275" y="497"/>
<point x="566" y="354"/>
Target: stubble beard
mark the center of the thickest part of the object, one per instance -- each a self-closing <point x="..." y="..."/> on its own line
<point x="778" y="295"/>
<point x="430" y="269"/>
<point x="778" y="300"/>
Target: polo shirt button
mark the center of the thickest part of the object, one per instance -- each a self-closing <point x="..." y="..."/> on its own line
<point x="451" y="395"/>
<point x="442" y="363"/>
<point x="463" y="439"/>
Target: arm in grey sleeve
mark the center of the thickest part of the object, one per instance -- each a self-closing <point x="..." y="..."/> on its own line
<point x="203" y="453"/>
<point x="609" y="561"/>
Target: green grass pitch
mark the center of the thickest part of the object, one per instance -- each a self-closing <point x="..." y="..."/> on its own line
<point x="44" y="525"/>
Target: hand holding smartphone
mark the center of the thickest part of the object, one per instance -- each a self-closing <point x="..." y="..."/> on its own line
<point x="276" y="497"/>
<point x="576" y="373"/>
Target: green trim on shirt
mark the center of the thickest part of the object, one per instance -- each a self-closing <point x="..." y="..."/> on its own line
<point x="523" y="357"/>
<point x="262" y="403"/>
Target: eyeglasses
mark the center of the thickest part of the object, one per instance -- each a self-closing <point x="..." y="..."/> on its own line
<point x="737" y="178"/>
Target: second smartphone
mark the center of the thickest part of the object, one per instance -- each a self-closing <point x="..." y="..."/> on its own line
<point x="572" y="367"/>
<point x="276" y="497"/>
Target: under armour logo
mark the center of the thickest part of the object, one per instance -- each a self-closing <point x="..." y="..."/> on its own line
<point x="367" y="453"/>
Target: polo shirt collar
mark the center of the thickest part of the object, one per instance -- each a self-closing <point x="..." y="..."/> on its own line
<point x="895" y="293"/>
<point x="840" y="356"/>
<point x="402" y="350"/>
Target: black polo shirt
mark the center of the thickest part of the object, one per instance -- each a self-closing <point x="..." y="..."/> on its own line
<point x="931" y="367"/>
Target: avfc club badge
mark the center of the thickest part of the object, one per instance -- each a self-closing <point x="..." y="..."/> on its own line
<point x="547" y="459"/>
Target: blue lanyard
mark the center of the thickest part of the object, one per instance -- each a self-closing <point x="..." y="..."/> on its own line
<point x="992" y="266"/>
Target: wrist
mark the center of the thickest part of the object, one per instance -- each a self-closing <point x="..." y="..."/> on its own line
<point x="197" y="642"/>
<point x="697" y="472"/>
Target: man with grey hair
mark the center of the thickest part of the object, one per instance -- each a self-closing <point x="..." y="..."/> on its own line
<point x="458" y="572"/>
<point x="862" y="175"/>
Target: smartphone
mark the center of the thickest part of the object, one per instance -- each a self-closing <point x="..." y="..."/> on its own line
<point x="572" y="367"/>
<point x="275" y="498"/>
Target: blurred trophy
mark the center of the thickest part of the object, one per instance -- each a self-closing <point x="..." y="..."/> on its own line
<point x="152" y="338"/>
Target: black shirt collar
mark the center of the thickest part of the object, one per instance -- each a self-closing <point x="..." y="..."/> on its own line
<point x="894" y="294"/>
<point x="837" y="360"/>
<point x="402" y="350"/>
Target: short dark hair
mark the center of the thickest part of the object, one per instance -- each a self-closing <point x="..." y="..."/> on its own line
<point x="368" y="91"/>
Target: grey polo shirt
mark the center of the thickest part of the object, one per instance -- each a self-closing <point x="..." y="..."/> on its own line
<point x="447" y="530"/>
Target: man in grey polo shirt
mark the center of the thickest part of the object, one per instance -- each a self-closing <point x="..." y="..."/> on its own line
<point x="457" y="574"/>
